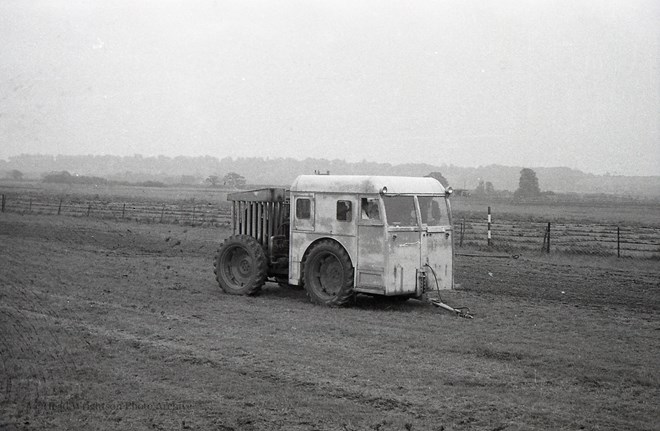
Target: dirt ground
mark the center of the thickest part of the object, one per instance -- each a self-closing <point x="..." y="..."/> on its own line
<point x="119" y="325"/>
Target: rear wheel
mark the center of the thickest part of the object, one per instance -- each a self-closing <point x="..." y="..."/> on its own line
<point x="240" y="265"/>
<point x="328" y="274"/>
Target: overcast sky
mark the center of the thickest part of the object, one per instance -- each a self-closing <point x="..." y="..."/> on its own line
<point x="523" y="83"/>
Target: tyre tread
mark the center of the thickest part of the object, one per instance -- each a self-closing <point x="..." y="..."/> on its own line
<point x="346" y="293"/>
<point x="255" y="250"/>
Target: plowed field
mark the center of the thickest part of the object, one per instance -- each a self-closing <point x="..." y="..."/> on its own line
<point x="118" y="325"/>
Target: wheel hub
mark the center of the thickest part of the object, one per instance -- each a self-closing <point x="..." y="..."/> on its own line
<point x="239" y="266"/>
<point x="245" y="266"/>
<point x="330" y="275"/>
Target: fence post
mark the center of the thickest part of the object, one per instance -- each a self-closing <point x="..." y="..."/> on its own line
<point x="59" y="208"/>
<point x="193" y="216"/>
<point x="548" y="243"/>
<point x="545" y="239"/>
<point x="489" y="220"/>
<point x="89" y="208"/>
<point x="123" y="211"/>
<point x="462" y="232"/>
<point x="618" y="241"/>
<point x="3" y="202"/>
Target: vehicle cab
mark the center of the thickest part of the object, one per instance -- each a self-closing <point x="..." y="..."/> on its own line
<point x="395" y="230"/>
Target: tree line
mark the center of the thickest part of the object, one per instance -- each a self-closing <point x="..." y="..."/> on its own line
<point x="528" y="184"/>
<point x="488" y="181"/>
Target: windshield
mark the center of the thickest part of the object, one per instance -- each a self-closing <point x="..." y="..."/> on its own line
<point x="433" y="210"/>
<point x="400" y="210"/>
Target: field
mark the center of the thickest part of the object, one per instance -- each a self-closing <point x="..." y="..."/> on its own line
<point x="119" y="324"/>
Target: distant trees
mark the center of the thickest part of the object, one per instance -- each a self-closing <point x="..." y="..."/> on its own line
<point x="213" y="180"/>
<point x="57" y="177"/>
<point x="528" y="186"/>
<point x="485" y="189"/>
<point x="231" y="180"/>
<point x="490" y="188"/>
<point x="64" y="177"/>
<point x="234" y="180"/>
<point x="187" y="180"/>
<point x="15" y="174"/>
<point x="438" y="176"/>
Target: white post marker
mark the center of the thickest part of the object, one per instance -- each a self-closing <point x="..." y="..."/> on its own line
<point x="489" y="221"/>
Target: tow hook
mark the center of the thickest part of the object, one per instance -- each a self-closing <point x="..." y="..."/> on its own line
<point x="463" y="312"/>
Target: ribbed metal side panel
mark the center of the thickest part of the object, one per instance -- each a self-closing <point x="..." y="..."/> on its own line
<point x="260" y="232"/>
<point x="260" y="220"/>
<point x="234" y="223"/>
<point x="271" y="219"/>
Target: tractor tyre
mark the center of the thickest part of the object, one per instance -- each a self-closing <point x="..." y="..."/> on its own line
<point x="328" y="274"/>
<point x="240" y="266"/>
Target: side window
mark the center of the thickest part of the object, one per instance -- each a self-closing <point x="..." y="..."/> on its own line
<point x="369" y="209"/>
<point x="303" y="208"/>
<point x="344" y="211"/>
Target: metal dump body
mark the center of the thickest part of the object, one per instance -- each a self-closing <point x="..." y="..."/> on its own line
<point x="260" y="213"/>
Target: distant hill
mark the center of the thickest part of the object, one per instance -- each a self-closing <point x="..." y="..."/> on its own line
<point x="282" y="171"/>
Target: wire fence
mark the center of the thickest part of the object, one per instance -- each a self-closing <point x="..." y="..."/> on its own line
<point x="184" y="212"/>
<point x="572" y="238"/>
<point x="481" y="233"/>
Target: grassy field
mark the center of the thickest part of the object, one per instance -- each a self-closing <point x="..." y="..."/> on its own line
<point x="119" y="325"/>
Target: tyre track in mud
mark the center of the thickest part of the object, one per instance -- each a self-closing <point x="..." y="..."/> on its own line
<point x="26" y="319"/>
<point x="127" y="239"/>
<point x="239" y="368"/>
<point x="249" y="369"/>
<point x="27" y="306"/>
<point x="596" y="284"/>
<point x="194" y="352"/>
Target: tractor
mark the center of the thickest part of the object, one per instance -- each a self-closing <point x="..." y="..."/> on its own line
<point x="340" y="235"/>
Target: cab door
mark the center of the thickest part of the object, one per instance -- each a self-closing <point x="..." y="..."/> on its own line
<point x="437" y="241"/>
<point x="370" y="270"/>
<point x="403" y="244"/>
<point x="303" y="216"/>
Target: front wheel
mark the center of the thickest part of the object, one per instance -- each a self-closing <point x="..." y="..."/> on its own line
<point x="328" y="274"/>
<point x="240" y="265"/>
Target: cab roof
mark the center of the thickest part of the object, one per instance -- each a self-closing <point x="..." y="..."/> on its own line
<point x="367" y="184"/>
